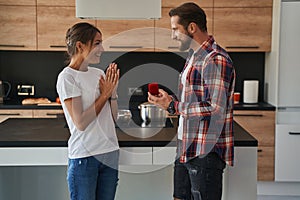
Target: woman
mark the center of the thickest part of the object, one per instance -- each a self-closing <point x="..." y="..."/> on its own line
<point x="88" y="98"/>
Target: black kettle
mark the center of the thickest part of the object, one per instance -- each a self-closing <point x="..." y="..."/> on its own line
<point x="4" y="94"/>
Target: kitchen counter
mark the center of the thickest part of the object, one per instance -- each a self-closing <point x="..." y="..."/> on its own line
<point x="239" y="106"/>
<point x="37" y="132"/>
<point x="254" y="106"/>
<point x="14" y="105"/>
<point x="35" y="147"/>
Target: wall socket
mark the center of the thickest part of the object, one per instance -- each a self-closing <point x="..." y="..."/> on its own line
<point x="131" y="90"/>
<point x="135" y="90"/>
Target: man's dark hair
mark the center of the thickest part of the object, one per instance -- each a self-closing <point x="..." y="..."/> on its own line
<point x="190" y="12"/>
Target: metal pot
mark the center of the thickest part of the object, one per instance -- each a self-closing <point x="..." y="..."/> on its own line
<point x="151" y="113"/>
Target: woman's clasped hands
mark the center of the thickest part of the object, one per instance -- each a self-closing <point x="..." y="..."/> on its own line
<point x="108" y="84"/>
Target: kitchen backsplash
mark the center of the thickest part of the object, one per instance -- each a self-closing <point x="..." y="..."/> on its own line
<point x="137" y="69"/>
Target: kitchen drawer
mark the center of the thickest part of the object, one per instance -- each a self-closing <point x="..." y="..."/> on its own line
<point x="288" y="115"/>
<point x="34" y="156"/>
<point x="6" y="113"/>
<point x="136" y="156"/>
<point x="164" y="155"/>
<point x="15" y="113"/>
<point x="41" y="113"/>
<point x="287" y="162"/>
<point x="260" y="124"/>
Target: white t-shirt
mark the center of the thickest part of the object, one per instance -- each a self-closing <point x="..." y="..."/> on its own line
<point x="183" y="82"/>
<point x="100" y="135"/>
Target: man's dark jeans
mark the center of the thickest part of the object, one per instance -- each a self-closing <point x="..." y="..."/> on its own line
<point x="200" y="178"/>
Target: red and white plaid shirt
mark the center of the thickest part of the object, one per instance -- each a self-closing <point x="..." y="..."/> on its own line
<point x="207" y="107"/>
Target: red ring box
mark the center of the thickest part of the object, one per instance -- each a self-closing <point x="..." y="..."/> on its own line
<point x="153" y="88"/>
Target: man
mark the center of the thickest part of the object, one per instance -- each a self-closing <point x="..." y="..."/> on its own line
<point x="205" y="105"/>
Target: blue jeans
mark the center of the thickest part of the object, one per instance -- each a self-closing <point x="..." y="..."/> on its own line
<point x="200" y="178"/>
<point x="93" y="178"/>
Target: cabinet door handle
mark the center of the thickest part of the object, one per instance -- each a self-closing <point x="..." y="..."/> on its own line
<point x="12" y="45"/>
<point x="248" y="115"/>
<point x="173" y="47"/>
<point x="294" y="133"/>
<point x="12" y="114"/>
<point x="242" y="47"/>
<point x="57" y="115"/>
<point x="259" y="150"/>
<point x="51" y="114"/>
<point x="126" y="47"/>
<point x="58" y="46"/>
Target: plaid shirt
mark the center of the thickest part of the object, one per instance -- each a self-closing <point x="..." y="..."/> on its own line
<point x="207" y="107"/>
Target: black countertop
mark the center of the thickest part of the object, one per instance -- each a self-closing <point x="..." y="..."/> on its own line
<point x="240" y="106"/>
<point x="37" y="132"/>
<point x="254" y="106"/>
<point x="33" y="106"/>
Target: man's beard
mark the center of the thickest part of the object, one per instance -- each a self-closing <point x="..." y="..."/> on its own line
<point x="186" y="43"/>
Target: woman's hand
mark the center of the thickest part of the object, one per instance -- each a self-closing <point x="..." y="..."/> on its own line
<point x="108" y="85"/>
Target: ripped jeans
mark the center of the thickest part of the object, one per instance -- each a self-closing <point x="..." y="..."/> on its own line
<point x="199" y="178"/>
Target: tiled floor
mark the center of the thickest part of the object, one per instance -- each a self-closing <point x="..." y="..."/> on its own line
<point x="263" y="197"/>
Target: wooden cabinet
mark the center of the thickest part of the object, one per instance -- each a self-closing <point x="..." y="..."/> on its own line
<point x="163" y="40"/>
<point x="261" y="125"/>
<point x="127" y="35"/>
<point x="163" y="33"/>
<point x="47" y="113"/>
<point x="18" y="2"/>
<point x="52" y="23"/>
<point x="243" y="3"/>
<point x="14" y="113"/>
<point x="56" y="3"/>
<point x="266" y="163"/>
<point x="18" y="27"/>
<point x="241" y="25"/>
<point x="175" y="3"/>
<point x="237" y="25"/>
<point x="30" y="113"/>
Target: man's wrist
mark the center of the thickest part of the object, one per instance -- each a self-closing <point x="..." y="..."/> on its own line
<point x="171" y="108"/>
